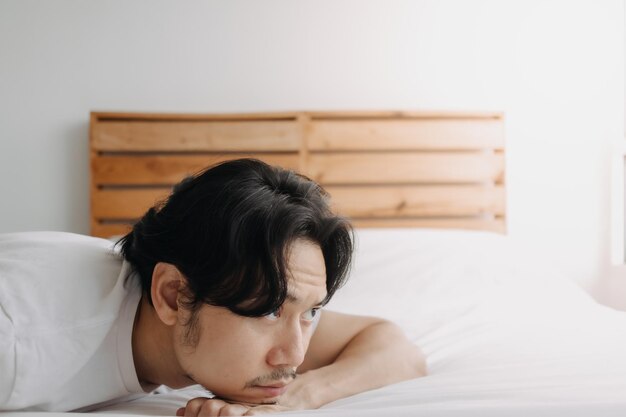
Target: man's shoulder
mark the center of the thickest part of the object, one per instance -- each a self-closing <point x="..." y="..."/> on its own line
<point x="54" y="276"/>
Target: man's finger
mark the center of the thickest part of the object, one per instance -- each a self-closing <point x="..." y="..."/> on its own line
<point x="193" y="407"/>
<point x="233" y="410"/>
<point x="215" y="408"/>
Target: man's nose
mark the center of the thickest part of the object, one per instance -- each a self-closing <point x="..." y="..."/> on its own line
<point x="288" y="348"/>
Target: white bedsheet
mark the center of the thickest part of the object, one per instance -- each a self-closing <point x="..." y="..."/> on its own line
<point x="504" y="334"/>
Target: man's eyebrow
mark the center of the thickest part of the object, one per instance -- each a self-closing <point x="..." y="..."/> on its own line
<point x="293" y="299"/>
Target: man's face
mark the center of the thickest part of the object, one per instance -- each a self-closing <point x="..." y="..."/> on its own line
<point x="251" y="359"/>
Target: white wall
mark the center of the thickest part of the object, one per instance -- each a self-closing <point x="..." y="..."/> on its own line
<point x="555" y="67"/>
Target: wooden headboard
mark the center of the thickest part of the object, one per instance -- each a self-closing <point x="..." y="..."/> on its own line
<point x="382" y="169"/>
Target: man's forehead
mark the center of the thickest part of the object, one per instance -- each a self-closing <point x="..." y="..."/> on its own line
<point x="293" y="298"/>
<point x="305" y="261"/>
<point x="306" y="271"/>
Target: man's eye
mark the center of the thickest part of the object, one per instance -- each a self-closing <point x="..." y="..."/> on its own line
<point x="310" y="315"/>
<point x="274" y="315"/>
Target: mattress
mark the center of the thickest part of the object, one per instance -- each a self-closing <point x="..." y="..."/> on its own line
<point x="504" y="332"/>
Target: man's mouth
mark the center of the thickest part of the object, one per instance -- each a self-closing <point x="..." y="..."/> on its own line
<point x="272" y="390"/>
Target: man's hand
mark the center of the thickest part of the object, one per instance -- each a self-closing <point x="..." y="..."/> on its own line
<point x="210" y="407"/>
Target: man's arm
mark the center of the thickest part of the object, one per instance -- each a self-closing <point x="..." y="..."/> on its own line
<point x="351" y="354"/>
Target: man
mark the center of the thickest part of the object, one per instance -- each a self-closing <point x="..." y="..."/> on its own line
<point x="222" y="285"/>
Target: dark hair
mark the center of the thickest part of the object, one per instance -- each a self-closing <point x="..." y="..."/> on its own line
<point x="228" y="230"/>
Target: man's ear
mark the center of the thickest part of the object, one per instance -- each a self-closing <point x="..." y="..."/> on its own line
<point x="166" y="283"/>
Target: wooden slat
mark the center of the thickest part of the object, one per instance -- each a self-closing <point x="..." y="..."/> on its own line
<point x="360" y="114"/>
<point x="109" y="230"/>
<point x="186" y="136"/>
<point x="351" y="201"/>
<point x="169" y="169"/>
<point x="406" y="167"/>
<point x="495" y="225"/>
<point x="111" y="204"/>
<point x="427" y="134"/>
<point x="417" y="201"/>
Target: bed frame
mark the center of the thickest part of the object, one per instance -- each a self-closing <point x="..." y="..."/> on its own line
<point x="382" y="169"/>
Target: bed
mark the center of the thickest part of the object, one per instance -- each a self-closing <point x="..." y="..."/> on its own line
<point x="504" y="333"/>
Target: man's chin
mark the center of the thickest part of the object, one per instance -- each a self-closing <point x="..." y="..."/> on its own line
<point x="248" y="398"/>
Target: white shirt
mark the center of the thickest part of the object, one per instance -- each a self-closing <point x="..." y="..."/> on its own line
<point x="66" y="320"/>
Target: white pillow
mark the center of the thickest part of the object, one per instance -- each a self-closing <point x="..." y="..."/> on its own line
<point x="439" y="285"/>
